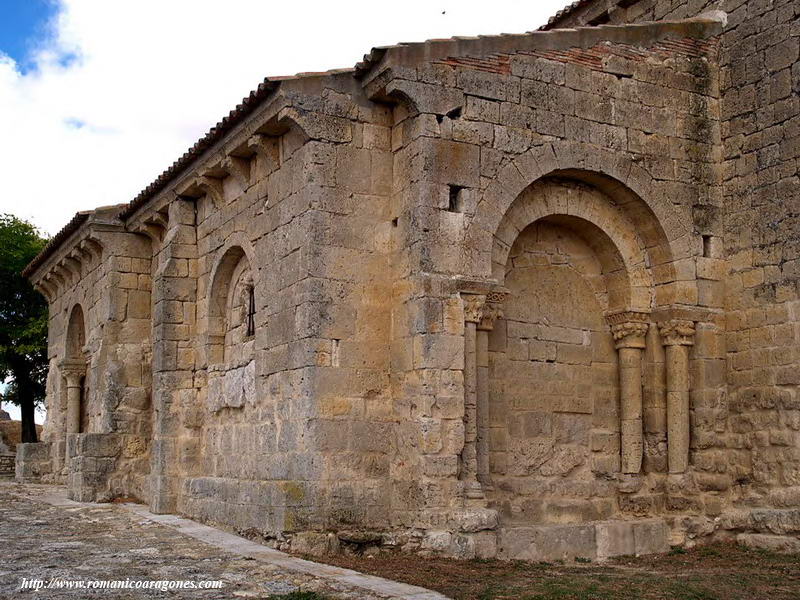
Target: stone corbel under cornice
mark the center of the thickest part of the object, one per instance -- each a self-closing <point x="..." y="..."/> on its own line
<point x="152" y="224"/>
<point x="233" y="157"/>
<point x="317" y="126"/>
<point x="391" y="87"/>
<point x="74" y="260"/>
<point x="267" y="148"/>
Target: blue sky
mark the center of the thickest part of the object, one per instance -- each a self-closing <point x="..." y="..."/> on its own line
<point x="22" y="23"/>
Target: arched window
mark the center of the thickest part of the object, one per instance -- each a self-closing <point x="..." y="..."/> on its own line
<point x="232" y="318"/>
<point x="231" y="311"/>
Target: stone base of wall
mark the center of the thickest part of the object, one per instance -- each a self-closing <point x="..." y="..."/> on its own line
<point x="91" y="460"/>
<point x="33" y="462"/>
<point x="7" y="465"/>
<point x="593" y="541"/>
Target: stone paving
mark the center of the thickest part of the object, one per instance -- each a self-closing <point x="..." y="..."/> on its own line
<point x="45" y="536"/>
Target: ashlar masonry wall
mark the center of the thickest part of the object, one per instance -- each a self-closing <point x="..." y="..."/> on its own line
<point x="638" y="128"/>
<point x="760" y="147"/>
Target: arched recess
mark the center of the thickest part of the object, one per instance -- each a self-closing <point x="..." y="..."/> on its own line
<point x="572" y="250"/>
<point x="231" y="316"/>
<point x="229" y="305"/>
<point x="73" y="370"/>
<point x="76" y="334"/>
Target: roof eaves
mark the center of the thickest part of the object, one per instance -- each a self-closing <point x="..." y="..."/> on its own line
<point x="74" y="224"/>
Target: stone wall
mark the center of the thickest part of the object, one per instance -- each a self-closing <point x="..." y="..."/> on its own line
<point x="33" y="462"/>
<point x="287" y="425"/>
<point x="98" y="346"/>
<point x="471" y="137"/>
<point x="760" y="135"/>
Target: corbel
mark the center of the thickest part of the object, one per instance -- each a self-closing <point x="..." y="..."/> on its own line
<point x="73" y="262"/>
<point x="210" y="186"/>
<point x="45" y="290"/>
<point x="238" y="168"/>
<point x="266" y="148"/>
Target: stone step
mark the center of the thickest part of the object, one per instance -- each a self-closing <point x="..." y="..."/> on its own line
<point x="594" y="540"/>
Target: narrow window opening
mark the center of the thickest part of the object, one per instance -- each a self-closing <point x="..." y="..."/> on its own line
<point x="251" y="312"/>
<point x="456" y="200"/>
<point x="394" y="222"/>
<point x="335" y="353"/>
<point x="707" y="246"/>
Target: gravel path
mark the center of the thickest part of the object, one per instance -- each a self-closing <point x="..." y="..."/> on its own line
<point x="43" y="536"/>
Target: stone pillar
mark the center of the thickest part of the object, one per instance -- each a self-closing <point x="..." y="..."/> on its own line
<point x="174" y="298"/>
<point x="473" y="311"/>
<point x="73" y="370"/>
<point x="491" y="311"/>
<point x="629" y="330"/>
<point x="677" y="335"/>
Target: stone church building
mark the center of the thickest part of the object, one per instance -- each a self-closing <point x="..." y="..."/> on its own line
<point x="530" y="296"/>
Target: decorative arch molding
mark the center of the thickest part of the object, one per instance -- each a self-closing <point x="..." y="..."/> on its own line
<point x="586" y="212"/>
<point x="666" y="234"/>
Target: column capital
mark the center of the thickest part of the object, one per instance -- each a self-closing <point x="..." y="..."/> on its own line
<point x="629" y="328"/>
<point x="492" y="309"/>
<point x="72" y="367"/>
<point x="473" y="306"/>
<point x="677" y="332"/>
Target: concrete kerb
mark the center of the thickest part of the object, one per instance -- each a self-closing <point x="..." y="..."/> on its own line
<point x="244" y="547"/>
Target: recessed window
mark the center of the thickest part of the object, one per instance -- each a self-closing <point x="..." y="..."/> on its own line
<point x="456" y="200"/>
<point x="707" y="246"/>
<point x="251" y="312"/>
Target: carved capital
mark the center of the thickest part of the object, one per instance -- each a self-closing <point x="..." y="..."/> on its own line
<point x="489" y="314"/>
<point x="492" y="309"/>
<point x="473" y="307"/>
<point x="628" y="328"/>
<point x="677" y="332"/>
<point x="73" y="369"/>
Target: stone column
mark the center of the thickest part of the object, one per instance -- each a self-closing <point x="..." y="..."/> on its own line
<point x="629" y="330"/>
<point x="73" y="370"/>
<point x="491" y="311"/>
<point x="473" y="312"/>
<point x="677" y="335"/>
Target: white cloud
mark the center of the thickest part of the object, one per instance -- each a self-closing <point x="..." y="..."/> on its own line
<point x="121" y="88"/>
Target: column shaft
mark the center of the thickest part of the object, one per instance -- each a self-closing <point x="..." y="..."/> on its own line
<point x="469" y="455"/>
<point x="73" y="420"/>
<point x="677" y="357"/>
<point x="482" y="408"/>
<point x="677" y="335"/>
<point x="630" y="391"/>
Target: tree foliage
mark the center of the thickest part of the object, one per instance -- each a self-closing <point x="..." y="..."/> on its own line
<point x="23" y="321"/>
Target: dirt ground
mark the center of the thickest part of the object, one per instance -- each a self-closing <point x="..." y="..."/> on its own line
<point x="722" y="571"/>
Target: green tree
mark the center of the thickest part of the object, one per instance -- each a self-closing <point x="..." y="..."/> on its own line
<point x="23" y="322"/>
